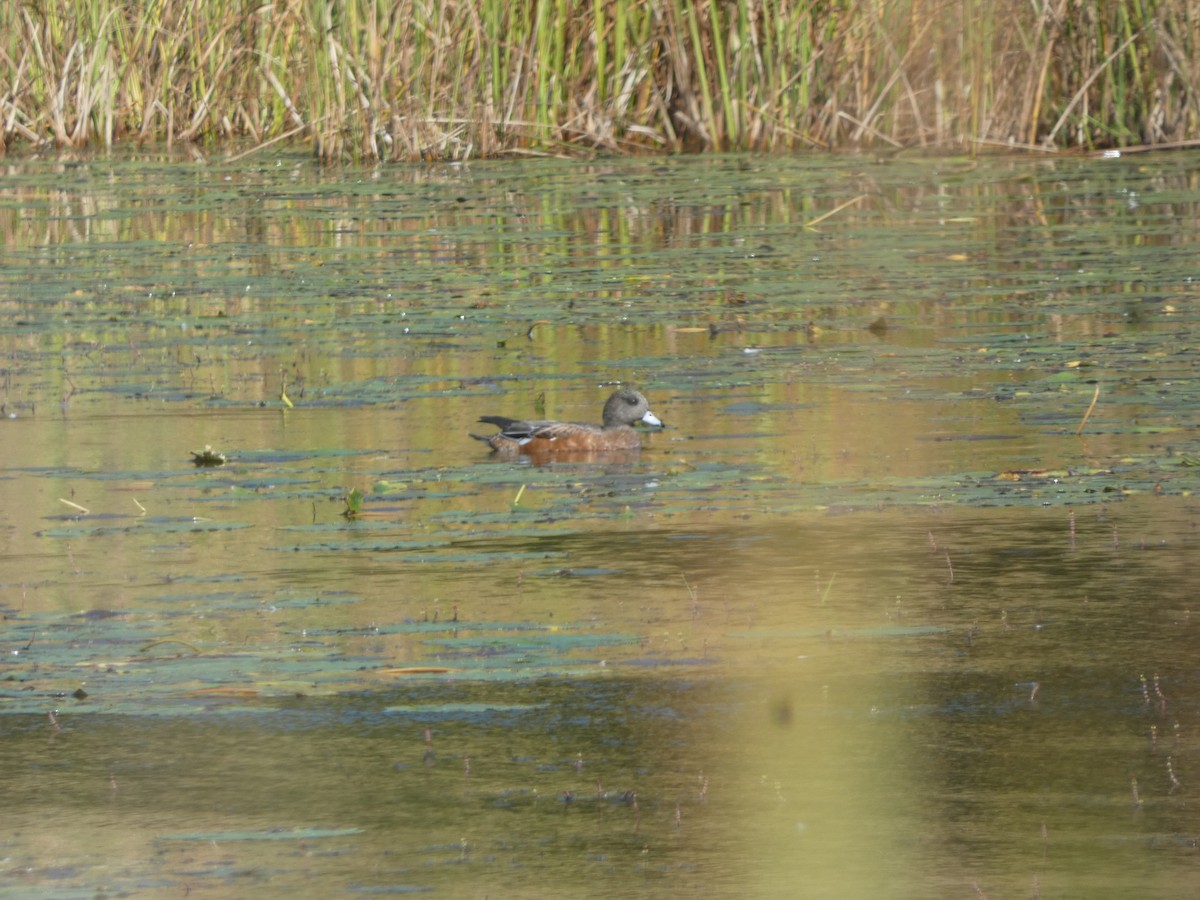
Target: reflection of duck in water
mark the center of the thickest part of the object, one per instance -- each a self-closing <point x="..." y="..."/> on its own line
<point x="623" y="409"/>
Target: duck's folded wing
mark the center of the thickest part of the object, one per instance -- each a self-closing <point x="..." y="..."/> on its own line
<point x="516" y="429"/>
<point x="559" y="431"/>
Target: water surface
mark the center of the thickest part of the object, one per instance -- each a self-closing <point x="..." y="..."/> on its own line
<point x="868" y="618"/>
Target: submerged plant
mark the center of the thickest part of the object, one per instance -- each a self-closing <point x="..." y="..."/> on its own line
<point x="354" y="504"/>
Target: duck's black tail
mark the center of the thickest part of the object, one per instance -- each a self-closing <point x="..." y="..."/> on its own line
<point x="501" y="422"/>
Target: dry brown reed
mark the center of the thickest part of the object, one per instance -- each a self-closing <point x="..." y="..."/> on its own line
<point x="447" y="79"/>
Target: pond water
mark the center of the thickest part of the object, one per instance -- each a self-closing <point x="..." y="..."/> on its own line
<point x="883" y="610"/>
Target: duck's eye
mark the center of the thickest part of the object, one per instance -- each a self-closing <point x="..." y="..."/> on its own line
<point x="631" y="401"/>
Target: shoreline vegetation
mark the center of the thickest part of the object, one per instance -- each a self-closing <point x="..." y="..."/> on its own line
<point x="384" y="80"/>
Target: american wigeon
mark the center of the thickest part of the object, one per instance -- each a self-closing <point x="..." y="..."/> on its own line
<point x="623" y="408"/>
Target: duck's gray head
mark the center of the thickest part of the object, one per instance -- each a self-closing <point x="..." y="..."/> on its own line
<point x="626" y="407"/>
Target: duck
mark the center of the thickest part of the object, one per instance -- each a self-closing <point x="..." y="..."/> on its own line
<point x="621" y="411"/>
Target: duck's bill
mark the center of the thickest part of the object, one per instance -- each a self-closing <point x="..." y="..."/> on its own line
<point x="651" y="419"/>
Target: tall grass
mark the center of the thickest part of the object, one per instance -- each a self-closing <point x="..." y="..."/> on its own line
<point x="454" y="79"/>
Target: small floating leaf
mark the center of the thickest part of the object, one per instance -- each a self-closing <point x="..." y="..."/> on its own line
<point x="389" y="487"/>
<point x="1020" y="474"/>
<point x="208" y="457"/>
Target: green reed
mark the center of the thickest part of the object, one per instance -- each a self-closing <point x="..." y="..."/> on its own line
<point x="453" y="79"/>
